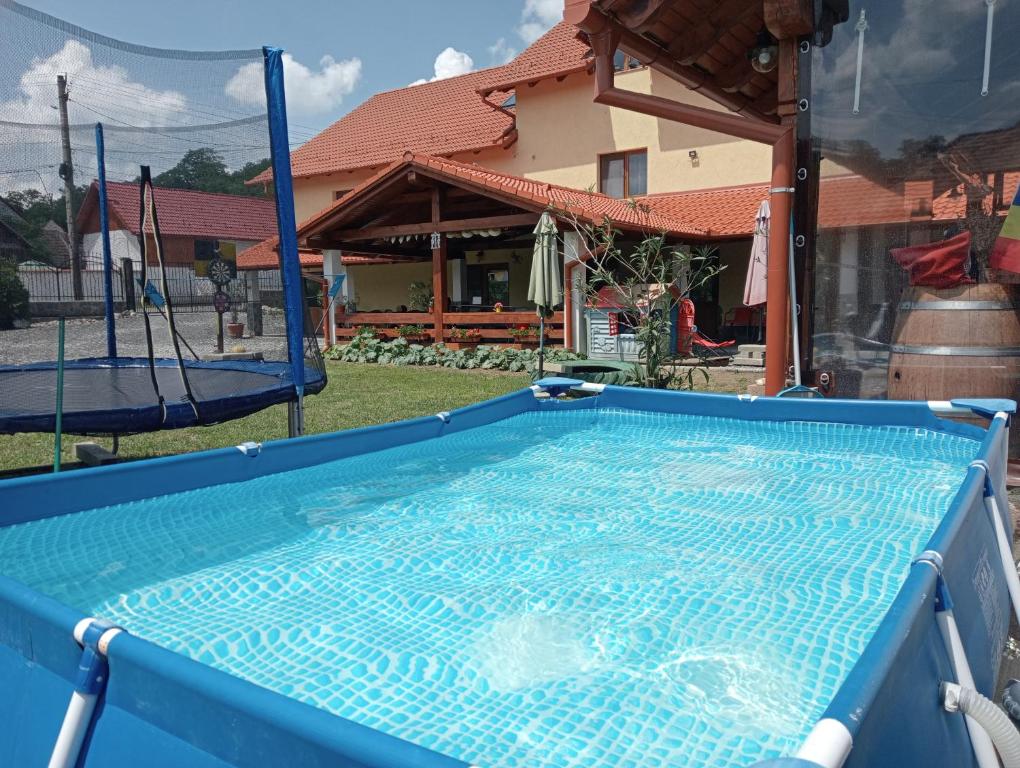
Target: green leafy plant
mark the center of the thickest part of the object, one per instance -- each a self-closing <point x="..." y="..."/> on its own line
<point x="419" y="296"/>
<point x="13" y="296"/>
<point x="405" y="331"/>
<point x="523" y="332"/>
<point x="648" y="281"/>
<point x="368" y="349"/>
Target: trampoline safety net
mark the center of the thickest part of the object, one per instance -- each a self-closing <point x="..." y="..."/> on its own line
<point x="195" y="338"/>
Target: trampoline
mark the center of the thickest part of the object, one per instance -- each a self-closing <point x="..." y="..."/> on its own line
<point x="120" y="395"/>
<point x="105" y="395"/>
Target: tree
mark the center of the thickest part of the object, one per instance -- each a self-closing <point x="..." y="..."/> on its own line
<point x="648" y="281"/>
<point x="204" y="170"/>
<point x="13" y="296"/>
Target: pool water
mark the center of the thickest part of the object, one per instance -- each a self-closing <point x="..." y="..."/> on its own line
<point x="556" y="589"/>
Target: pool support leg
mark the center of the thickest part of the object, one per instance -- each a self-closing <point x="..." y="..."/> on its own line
<point x="94" y="635"/>
<point x="1001" y="538"/>
<point x="981" y="743"/>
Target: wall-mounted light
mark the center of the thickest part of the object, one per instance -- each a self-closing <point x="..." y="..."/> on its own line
<point x="695" y="160"/>
<point x="765" y="54"/>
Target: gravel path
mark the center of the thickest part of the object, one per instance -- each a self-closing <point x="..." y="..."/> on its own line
<point x="87" y="338"/>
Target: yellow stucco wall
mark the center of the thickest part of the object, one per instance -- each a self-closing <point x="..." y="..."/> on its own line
<point x="385" y="286"/>
<point x="562" y="132"/>
<point x="313" y="194"/>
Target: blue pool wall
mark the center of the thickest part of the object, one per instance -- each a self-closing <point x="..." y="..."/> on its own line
<point x="166" y="710"/>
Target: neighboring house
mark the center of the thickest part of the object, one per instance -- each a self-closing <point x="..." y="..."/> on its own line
<point x="193" y="225"/>
<point x="13" y="247"/>
<point x="54" y="240"/>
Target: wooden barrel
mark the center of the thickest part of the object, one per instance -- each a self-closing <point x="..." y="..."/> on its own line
<point x="956" y="342"/>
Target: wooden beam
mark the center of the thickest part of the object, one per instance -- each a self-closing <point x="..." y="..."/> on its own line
<point x="735" y="76"/>
<point x="594" y="21"/>
<point x="788" y="19"/>
<point x="695" y="43"/>
<point x="426" y="228"/>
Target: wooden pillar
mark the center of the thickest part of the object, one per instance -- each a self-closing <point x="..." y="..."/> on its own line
<point x="439" y="290"/>
<point x="777" y="327"/>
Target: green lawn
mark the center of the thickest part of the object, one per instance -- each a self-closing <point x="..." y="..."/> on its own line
<point x="357" y="395"/>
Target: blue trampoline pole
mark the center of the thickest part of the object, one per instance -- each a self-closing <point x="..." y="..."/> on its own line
<point x="104" y="230"/>
<point x="290" y="267"/>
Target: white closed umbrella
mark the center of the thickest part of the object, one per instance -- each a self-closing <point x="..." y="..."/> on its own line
<point x="544" y="288"/>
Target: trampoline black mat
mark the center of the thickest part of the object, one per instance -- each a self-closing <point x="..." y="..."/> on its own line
<point x="116" y="396"/>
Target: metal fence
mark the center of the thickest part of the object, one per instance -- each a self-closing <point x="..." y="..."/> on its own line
<point x="188" y="291"/>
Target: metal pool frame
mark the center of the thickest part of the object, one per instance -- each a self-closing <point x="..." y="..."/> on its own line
<point x="133" y="701"/>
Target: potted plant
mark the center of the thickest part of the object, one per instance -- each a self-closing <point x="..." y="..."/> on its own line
<point x="497" y="307"/>
<point x="412" y="332"/>
<point x="464" y="337"/>
<point x="235" y="328"/>
<point x="524" y="335"/>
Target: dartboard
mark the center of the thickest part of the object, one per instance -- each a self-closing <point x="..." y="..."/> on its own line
<point x="219" y="272"/>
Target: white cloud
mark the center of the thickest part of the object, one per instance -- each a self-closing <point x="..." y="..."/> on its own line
<point x="308" y="92"/>
<point x="449" y="63"/>
<point x="108" y="89"/>
<point x="537" y="17"/>
<point x="500" y="52"/>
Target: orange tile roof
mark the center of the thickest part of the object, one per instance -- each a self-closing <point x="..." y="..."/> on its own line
<point x="724" y="212"/>
<point x="721" y="212"/>
<point x="264" y="256"/>
<point x="187" y="212"/>
<point x="558" y="52"/>
<point x="443" y="117"/>
<point x="591" y="207"/>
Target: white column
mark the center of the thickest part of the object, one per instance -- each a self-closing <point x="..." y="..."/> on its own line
<point x="331" y="269"/>
<point x="456" y="280"/>
<point x="571" y="255"/>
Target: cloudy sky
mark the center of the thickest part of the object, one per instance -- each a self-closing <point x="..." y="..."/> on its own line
<point x="340" y="51"/>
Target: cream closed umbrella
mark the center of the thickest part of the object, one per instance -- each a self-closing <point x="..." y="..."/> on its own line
<point x="544" y="288"/>
<point x="757" y="269"/>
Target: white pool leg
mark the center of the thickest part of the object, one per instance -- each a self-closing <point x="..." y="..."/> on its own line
<point x="984" y="751"/>
<point x="828" y="744"/>
<point x="82" y="705"/>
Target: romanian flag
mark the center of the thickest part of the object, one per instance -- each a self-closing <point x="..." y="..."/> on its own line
<point x="1006" y="252"/>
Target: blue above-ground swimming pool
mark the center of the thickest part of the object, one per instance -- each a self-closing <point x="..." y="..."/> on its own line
<point x="633" y="578"/>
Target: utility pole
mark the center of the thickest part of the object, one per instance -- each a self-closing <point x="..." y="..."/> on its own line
<point x="67" y="174"/>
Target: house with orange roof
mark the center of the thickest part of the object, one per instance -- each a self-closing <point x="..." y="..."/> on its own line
<point x="440" y="184"/>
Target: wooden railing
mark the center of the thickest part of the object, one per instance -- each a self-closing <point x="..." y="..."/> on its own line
<point x="491" y="326"/>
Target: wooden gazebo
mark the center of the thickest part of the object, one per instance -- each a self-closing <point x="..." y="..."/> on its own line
<point x="428" y="209"/>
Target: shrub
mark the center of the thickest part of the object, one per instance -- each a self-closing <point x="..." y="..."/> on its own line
<point x="365" y="348"/>
<point x="13" y="296"/>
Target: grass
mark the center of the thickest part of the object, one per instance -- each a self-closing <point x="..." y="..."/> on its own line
<point x="356" y="396"/>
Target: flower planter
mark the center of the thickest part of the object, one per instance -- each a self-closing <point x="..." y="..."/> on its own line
<point x="235" y="330"/>
<point x="463" y="343"/>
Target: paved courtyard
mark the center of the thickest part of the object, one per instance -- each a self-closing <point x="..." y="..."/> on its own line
<point x="87" y="337"/>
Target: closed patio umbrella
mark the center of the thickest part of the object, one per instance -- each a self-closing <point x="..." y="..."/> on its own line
<point x="757" y="268"/>
<point x="544" y="288"/>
